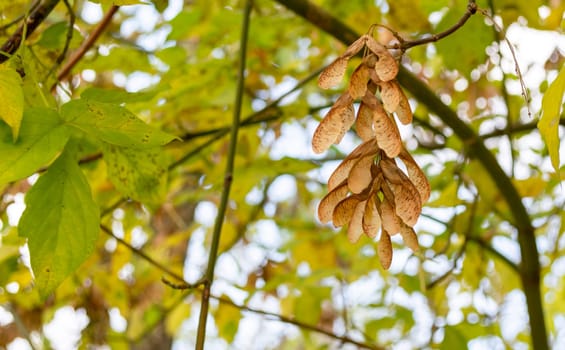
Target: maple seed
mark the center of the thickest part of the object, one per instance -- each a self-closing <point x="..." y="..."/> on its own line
<point x="384" y="250"/>
<point x="329" y="202"/>
<point x="355" y="229"/>
<point x="364" y="122"/>
<point x="371" y="217"/>
<point x="333" y="74"/>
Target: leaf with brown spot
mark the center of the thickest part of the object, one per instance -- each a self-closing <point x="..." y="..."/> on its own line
<point x="342" y="170"/>
<point x="371" y="218"/>
<point x="343" y="211"/>
<point x="409" y="237"/>
<point x="333" y="73"/>
<point x="416" y="175"/>
<point x="330" y="200"/>
<point x="360" y="174"/>
<point x="387" y="134"/>
<point x="355" y="229"/>
<point x="384" y="250"/>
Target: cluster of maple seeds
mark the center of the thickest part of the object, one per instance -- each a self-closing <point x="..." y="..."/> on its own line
<point x="368" y="191"/>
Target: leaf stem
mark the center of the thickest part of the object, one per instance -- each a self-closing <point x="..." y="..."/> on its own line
<point x="228" y="178"/>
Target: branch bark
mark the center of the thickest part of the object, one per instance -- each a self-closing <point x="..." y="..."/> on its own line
<point x="37" y="16"/>
<point x="529" y="268"/>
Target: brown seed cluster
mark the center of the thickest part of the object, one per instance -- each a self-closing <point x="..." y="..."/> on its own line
<point x="368" y="191"/>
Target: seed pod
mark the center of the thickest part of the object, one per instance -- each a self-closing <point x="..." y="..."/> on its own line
<point x="333" y="73"/>
<point x="403" y="111"/>
<point x="386" y="66"/>
<point x="407" y="202"/>
<point x="364" y="122"/>
<point x="330" y="201"/>
<point x="390" y="221"/>
<point x="356" y="46"/>
<point x="371" y="218"/>
<point x="384" y="250"/>
<point x="331" y="127"/>
<point x="348" y="118"/>
<point x="387" y="134"/>
<point x="355" y="229"/>
<point x="342" y="171"/>
<point x="409" y="237"/>
<point x="343" y="211"/>
<point x="359" y="177"/>
<point x="416" y="175"/>
<point x="358" y="81"/>
<point x="390" y="94"/>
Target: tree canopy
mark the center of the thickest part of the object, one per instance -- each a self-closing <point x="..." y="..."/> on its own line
<point x="168" y="174"/>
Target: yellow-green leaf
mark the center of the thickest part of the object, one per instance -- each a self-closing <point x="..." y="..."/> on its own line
<point x="548" y="124"/>
<point x="61" y="223"/>
<point x="12" y="105"/>
<point x="113" y="124"/>
<point x="42" y="136"/>
<point x="140" y="174"/>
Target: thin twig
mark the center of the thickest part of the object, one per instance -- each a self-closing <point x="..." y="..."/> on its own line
<point x="87" y="44"/>
<point x="68" y="39"/>
<point x="471" y="10"/>
<point x="525" y="94"/>
<point x="228" y="178"/>
<point x="37" y="16"/>
<point x="300" y="324"/>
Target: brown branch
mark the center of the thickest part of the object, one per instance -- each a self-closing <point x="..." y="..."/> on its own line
<point x="87" y="44"/>
<point x="36" y="17"/>
<point x="20" y="17"/>
<point x="471" y="10"/>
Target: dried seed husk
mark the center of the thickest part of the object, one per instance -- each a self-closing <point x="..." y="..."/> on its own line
<point x="356" y="46"/>
<point x="407" y="202"/>
<point x="364" y="122"/>
<point x="348" y="118"/>
<point x="330" y="201"/>
<point x="333" y="73"/>
<point x="331" y="127"/>
<point x="355" y="228"/>
<point x="359" y="177"/>
<point x="358" y="81"/>
<point x="386" y="67"/>
<point x="403" y="111"/>
<point x="409" y="237"/>
<point x="416" y="175"/>
<point x="343" y="211"/>
<point x="384" y="250"/>
<point x="391" y="95"/>
<point x="390" y="221"/>
<point x="342" y="170"/>
<point x="371" y="218"/>
<point x="387" y="134"/>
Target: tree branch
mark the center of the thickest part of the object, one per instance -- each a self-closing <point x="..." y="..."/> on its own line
<point x="37" y="16"/>
<point x="529" y="267"/>
<point x="228" y="178"/>
<point x="87" y="44"/>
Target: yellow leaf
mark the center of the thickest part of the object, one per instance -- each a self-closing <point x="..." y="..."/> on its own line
<point x="12" y="106"/>
<point x="548" y="124"/>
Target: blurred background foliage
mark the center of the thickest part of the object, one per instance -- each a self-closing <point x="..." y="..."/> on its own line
<point x="178" y="62"/>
